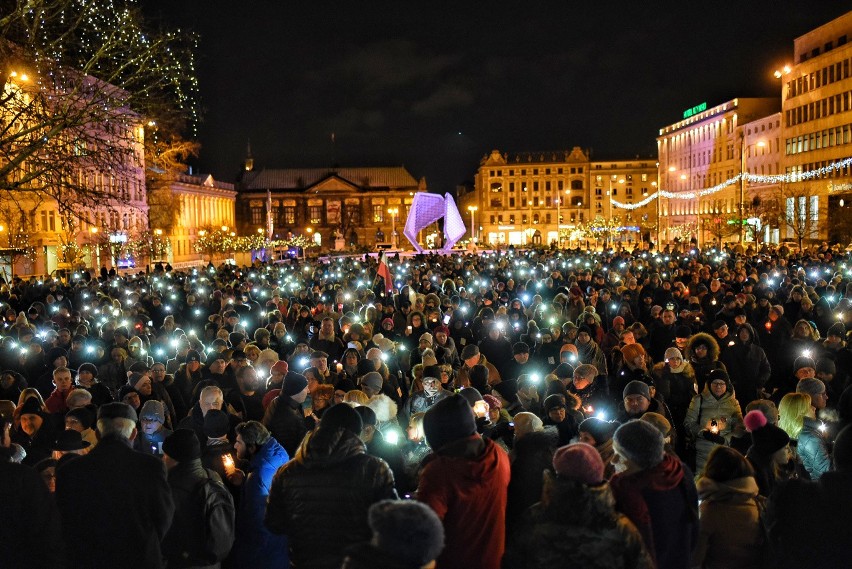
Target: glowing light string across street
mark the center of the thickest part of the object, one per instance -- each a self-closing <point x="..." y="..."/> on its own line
<point x="751" y="178"/>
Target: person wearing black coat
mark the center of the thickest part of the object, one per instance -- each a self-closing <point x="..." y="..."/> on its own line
<point x="531" y="455"/>
<point x="319" y="500"/>
<point x="747" y="365"/>
<point x="284" y="416"/>
<point x="185" y="544"/>
<point x="115" y="503"/>
<point x="810" y="522"/>
<point x="32" y="534"/>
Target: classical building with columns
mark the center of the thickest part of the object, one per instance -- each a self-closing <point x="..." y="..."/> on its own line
<point x="193" y="204"/>
<point x="363" y="205"/>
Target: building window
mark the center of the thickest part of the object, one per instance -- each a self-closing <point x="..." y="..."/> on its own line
<point x="378" y="213"/>
<point x="511" y="202"/>
<point x="289" y="215"/>
<point x="576" y="184"/>
<point x="315" y="214"/>
<point x="353" y="214"/>
<point x="256" y="215"/>
<point x="511" y="219"/>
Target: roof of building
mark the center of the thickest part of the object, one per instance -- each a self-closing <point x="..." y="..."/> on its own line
<point x="302" y="178"/>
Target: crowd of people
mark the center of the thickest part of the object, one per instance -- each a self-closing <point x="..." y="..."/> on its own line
<point x="545" y="408"/>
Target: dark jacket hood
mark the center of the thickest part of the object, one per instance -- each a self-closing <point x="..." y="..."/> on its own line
<point x="327" y="447"/>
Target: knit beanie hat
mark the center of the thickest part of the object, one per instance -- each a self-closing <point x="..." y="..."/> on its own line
<point x="837" y="329"/>
<point x="810" y="385"/>
<point x="216" y="423"/>
<point x="632" y="351"/>
<point x="617" y="320"/>
<point x="579" y="462"/>
<point x="637" y="387"/>
<point x="83" y="415"/>
<point x="432" y="371"/>
<point x="673" y="353"/>
<point x="555" y="401"/>
<point x="89" y="367"/>
<point x="564" y="370"/>
<point x="155" y="409"/>
<point x="683" y="331"/>
<point x="658" y="421"/>
<point x="182" y="445"/>
<point x="766" y="438"/>
<point x="599" y="429"/>
<point x="448" y="420"/>
<point x="427" y="337"/>
<point x="342" y="417"/>
<point x="526" y="422"/>
<point x="803" y="362"/>
<point x="472" y="395"/>
<point x="373" y="380"/>
<point x="294" y="383"/>
<point x="493" y="402"/>
<point x="640" y="442"/>
<point x="408" y="531"/>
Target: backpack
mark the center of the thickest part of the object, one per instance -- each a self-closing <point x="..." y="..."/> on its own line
<point x="216" y="506"/>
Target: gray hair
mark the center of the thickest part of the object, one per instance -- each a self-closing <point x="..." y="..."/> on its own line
<point x="119" y="426"/>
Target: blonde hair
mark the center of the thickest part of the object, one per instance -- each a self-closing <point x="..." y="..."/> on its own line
<point x="356" y="398"/>
<point x="792" y="410"/>
<point x="416" y="422"/>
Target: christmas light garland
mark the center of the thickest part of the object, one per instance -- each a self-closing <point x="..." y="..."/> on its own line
<point x="750" y="178"/>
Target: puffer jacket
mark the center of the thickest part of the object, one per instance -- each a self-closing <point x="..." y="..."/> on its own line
<point x="577" y="527"/>
<point x="319" y="500"/>
<point x="705" y="408"/>
<point x="255" y="546"/>
<point x="812" y="449"/>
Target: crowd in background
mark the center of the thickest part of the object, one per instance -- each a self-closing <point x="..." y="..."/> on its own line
<point x="672" y="409"/>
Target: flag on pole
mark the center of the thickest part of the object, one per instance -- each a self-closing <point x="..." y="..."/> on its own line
<point x="384" y="272"/>
<point x="270" y="222"/>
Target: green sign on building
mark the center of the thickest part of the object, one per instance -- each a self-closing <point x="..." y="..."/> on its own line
<point x="696" y="109"/>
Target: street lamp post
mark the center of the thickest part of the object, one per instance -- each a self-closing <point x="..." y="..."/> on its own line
<point x="743" y="172"/>
<point x="393" y="211"/>
<point x="558" y="218"/>
<point x="472" y="209"/>
<point x="610" y="218"/>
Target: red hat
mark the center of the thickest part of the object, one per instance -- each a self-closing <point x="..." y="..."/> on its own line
<point x="493" y="402"/>
<point x="387" y="321"/>
<point x="442" y="330"/>
<point x="280" y="366"/>
<point x="580" y="462"/>
<point x="617" y="320"/>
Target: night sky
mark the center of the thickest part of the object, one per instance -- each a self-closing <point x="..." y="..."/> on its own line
<point x="434" y="86"/>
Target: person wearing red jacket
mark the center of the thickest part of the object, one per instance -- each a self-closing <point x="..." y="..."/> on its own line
<point x="56" y="403"/>
<point x="465" y="482"/>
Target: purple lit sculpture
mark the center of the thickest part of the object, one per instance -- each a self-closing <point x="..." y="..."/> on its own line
<point x="429" y="208"/>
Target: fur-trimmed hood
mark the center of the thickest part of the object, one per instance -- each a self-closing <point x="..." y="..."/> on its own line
<point x="702" y="337"/>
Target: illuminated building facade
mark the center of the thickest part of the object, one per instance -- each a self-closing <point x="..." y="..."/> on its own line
<point x="700" y="161"/>
<point x="817" y="115"/>
<point x="195" y="204"/>
<point x="538" y="198"/>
